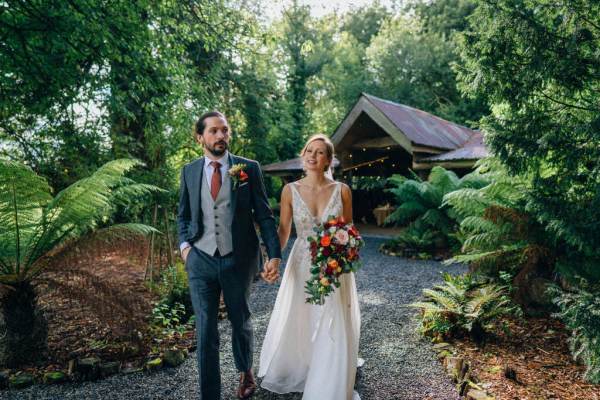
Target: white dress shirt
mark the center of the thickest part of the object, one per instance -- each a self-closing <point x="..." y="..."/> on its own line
<point x="209" y="170"/>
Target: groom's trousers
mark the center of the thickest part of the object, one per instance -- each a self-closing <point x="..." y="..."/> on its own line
<point x="208" y="276"/>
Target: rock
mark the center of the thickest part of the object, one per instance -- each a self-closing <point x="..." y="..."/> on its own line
<point x="131" y="370"/>
<point x="3" y="380"/>
<point x="88" y="368"/>
<point x="454" y="367"/>
<point x="54" y="377"/>
<point x="109" y="368"/>
<point x="154" y="364"/>
<point x="20" y="381"/>
<point x="510" y="373"/>
<point x="442" y="346"/>
<point x="464" y="372"/>
<point x="72" y="366"/>
<point x="174" y="357"/>
<point x="444" y="354"/>
<point x="537" y="292"/>
<point x="478" y="395"/>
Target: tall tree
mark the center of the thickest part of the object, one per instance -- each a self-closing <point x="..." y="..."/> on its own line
<point x="305" y="48"/>
<point x="537" y="64"/>
<point x="413" y="67"/>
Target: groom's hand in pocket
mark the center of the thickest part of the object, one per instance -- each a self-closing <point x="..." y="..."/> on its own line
<point x="185" y="252"/>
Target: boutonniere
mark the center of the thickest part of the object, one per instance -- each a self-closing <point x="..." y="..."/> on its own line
<point x="238" y="174"/>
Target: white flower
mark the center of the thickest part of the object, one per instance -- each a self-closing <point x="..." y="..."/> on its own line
<point x="341" y="237"/>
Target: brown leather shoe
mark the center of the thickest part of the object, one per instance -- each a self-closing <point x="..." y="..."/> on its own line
<point x="247" y="385"/>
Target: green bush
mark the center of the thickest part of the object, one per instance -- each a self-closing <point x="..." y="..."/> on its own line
<point x="580" y="311"/>
<point x="463" y="305"/>
<point x="174" y="290"/>
<point x="431" y="224"/>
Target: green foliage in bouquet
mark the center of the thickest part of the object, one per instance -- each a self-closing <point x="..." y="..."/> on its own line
<point x="580" y="311"/>
<point x="463" y="305"/>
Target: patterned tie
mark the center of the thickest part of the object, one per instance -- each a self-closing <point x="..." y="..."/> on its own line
<point x="215" y="183"/>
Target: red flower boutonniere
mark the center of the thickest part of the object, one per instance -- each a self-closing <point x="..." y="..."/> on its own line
<point x="238" y="175"/>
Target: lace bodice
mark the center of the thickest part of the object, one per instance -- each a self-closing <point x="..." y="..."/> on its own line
<point x="304" y="220"/>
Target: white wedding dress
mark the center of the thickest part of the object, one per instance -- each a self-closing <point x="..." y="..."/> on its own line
<point x="311" y="348"/>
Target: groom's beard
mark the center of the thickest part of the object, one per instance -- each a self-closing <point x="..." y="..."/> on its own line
<point x="217" y="151"/>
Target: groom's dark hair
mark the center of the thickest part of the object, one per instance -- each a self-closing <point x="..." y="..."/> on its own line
<point x="201" y="125"/>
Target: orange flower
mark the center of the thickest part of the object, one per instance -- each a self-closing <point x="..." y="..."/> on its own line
<point x="243" y="176"/>
<point x="332" y="222"/>
<point x="324" y="281"/>
<point x="325" y="241"/>
<point x="333" y="264"/>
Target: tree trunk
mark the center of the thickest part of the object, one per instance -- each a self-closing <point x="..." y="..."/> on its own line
<point x="23" y="327"/>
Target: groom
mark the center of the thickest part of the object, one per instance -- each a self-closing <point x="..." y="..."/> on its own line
<point x="221" y="197"/>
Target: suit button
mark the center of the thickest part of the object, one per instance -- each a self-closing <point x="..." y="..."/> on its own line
<point x="216" y="216"/>
<point x="216" y="233"/>
<point x="215" y="207"/>
<point x="217" y="225"/>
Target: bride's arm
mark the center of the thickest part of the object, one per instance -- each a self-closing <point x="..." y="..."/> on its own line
<point x="347" y="203"/>
<point x="285" y="216"/>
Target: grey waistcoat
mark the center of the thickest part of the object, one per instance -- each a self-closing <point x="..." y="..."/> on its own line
<point x="217" y="217"/>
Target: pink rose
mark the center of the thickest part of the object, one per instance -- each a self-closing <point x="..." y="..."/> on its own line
<point x="341" y="236"/>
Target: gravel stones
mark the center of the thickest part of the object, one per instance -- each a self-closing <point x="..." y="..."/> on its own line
<point x="398" y="363"/>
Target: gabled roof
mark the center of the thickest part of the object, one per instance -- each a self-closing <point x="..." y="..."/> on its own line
<point x="407" y="125"/>
<point x="421" y="127"/>
<point x="473" y="149"/>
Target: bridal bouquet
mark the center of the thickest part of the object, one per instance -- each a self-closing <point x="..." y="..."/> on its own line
<point x="334" y="251"/>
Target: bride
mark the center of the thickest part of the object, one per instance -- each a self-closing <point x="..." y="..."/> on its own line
<point x="312" y="348"/>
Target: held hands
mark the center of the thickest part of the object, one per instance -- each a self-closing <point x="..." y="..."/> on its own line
<point x="271" y="270"/>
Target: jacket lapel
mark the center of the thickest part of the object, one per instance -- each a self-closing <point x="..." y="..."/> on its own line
<point x="196" y="176"/>
<point x="233" y="192"/>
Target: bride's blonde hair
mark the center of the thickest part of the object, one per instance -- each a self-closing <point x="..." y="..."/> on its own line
<point x="328" y="146"/>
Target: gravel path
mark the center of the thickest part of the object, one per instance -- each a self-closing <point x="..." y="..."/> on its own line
<point x="398" y="365"/>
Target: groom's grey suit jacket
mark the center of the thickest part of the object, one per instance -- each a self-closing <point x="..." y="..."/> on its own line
<point x="248" y="204"/>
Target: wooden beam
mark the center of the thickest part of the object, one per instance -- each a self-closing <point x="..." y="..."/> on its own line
<point x="376" y="143"/>
<point x="429" y="150"/>
<point x="381" y="159"/>
<point x="364" y="105"/>
<point x="444" y="164"/>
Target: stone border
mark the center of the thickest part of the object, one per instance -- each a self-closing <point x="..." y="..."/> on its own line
<point x="459" y="369"/>
<point x="91" y="369"/>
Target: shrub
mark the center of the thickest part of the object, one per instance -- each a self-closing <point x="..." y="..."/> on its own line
<point x="174" y="290"/>
<point x="431" y="224"/>
<point x="580" y="311"/>
<point x="463" y="305"/>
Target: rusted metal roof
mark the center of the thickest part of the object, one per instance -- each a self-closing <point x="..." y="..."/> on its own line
<point x="421" y="127"/>
<point x="293" y="165"/>
<point x="473" y="149"/>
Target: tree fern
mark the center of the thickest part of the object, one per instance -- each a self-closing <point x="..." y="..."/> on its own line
<point x="420" y="205"/>
<point x="33" y="224"/>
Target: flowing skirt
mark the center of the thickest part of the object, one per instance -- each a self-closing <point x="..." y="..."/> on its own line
<point x="311" y="348"/>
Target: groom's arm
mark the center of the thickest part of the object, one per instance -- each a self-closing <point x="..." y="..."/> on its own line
<point x="263" y="214"/>
<point x="183" y="213"/>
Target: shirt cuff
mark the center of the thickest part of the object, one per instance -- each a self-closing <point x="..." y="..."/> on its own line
<point x="184" y="246"/>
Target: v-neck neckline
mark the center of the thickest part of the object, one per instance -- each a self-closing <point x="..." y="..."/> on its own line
<point x="335" y="185"/>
